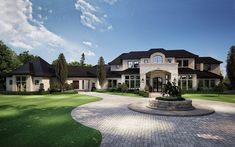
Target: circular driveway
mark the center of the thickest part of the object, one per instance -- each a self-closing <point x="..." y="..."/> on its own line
<point x="120" y="126"/>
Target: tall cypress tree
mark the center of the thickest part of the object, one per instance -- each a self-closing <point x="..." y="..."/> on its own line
<point x="101" y="72"/>
<point x="61" y="71"/>
<point x="82" y="60"/>
<point x="231" y="66"/>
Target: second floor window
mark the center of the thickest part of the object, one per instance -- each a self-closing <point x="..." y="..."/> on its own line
<point x="207" y="67"/>
<point x="158" y="59"/>
<point x="133" y="64"/>
<point x="183" y="63"/>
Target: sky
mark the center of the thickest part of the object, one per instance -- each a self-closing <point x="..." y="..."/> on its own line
<point x="109" y="28"/>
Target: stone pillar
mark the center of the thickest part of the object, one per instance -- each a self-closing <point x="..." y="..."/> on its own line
<point x="195" y="82"/>
<point x="201" y="66"/>
<point x="142" y="81"/>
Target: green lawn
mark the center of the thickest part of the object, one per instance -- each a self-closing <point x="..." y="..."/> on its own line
<point x="214" y="97"/>
<point x="44" y="120"/>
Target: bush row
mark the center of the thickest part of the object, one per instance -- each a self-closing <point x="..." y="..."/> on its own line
<point x="35" y="92"/>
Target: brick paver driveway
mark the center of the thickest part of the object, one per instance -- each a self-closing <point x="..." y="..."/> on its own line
<point x="122" y="127"/>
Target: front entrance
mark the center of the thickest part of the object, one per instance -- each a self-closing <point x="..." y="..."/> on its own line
<point x="157" y="84"/>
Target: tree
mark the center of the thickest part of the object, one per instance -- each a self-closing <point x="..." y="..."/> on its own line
<point x="8" y="62"/>
<point x="61" y="71"/>
<point x="82" y="60"/>
<point x="25" y="57"/>
<point x="101" y="72"/>
<point x="74" y="63"/>
<point x="231" y="66"/>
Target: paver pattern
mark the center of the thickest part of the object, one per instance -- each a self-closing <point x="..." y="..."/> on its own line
<point x="121" y="127"/>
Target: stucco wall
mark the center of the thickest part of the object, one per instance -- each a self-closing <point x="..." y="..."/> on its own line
<point x="8" y="86"/>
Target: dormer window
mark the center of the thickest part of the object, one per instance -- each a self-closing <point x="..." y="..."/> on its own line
<point x="158" y="59"/>
<point x="133" y="64"/>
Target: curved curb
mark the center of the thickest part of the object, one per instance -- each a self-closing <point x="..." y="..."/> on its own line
<point x="198" y="111"/>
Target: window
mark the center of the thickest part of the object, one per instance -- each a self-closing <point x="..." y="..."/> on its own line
<point x="212" y="83"/>
<point x="136" y="64"/>
<point x="36" y="82"/>
<point x="185" y="82"/>
<point x="182" y="63"/>
<point x="21" y="83"/>
<point x="185" y="63"/>
<point x="167" y="79"/>
<point x="158" y="59"/>
<point x="179" y="63"/>
<point x="146" y="61"/>
<point x="112" y="83"/>
<point x="130" y="63"/>
<point x="132" y="81"/>
<point x="10" y="82"/>
<point x="133" y="64"/>
<point x="206" y="84"/>
<point x="207" y="67"/>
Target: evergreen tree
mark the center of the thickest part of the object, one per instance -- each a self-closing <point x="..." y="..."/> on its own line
<point x="82" y="60"/>
<point x="231" y="66"/>
<point x="101" y="72"/>
<point x="61" y="71"/>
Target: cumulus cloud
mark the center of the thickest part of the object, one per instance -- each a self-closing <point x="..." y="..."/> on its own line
<point x="91" y="15"/>
<point x="111" y="2"/>
<point x="87" y="43"/>
<point x="20" y="30"/>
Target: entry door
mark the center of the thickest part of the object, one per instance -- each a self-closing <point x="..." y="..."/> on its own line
<point x="157" y="84"/>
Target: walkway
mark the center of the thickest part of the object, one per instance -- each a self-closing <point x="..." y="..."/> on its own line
<point x="122" y="127"/>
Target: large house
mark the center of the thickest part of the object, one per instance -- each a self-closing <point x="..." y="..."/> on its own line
<point x="137" y="69"/>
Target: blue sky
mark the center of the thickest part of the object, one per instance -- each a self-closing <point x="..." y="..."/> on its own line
<point x="110" y="27"/>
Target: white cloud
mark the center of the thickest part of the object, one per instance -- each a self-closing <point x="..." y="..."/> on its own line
<point x="50" y="11"/>
<point x="20" y="30"/>
<point x="89" y="53"/>
<point x="87" y="43"/>
<point x="110" y="27"/>
<point x="91" y="15"/>
<point x="111" y="2"/>
<point x="39" y="8"/>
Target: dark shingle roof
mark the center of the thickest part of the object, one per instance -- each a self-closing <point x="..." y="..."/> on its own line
<point x="208" y="60"/>
<point x="147" y="54"/>
<point x="74" y="71"/>
<point x="200" y="74"/>
<point x="36" y="67"/>
<point x="131" y="71"/>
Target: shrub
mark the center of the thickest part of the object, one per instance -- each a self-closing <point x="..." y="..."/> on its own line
<point x="144" y="93"/>
<point x="124" y="88"/>
<point x="24" y="92"/>
<point x="170" y="89"/>
<point x="220" y="87"/>
<point x="68" y="86"/>
<point x="146" y="88"/>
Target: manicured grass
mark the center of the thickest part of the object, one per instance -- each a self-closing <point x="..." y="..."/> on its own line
<point x="214" y="97"/>
<point x="44" y="120"/>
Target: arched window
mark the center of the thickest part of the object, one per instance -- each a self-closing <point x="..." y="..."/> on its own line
<point x="158" y="59"/>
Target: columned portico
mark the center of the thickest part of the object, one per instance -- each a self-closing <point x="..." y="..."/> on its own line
<point x="155" y="75"/>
